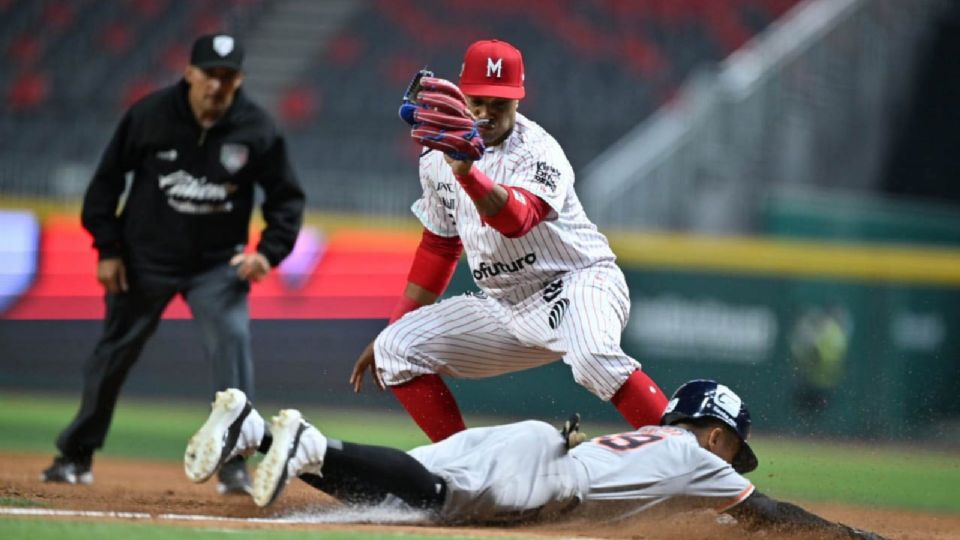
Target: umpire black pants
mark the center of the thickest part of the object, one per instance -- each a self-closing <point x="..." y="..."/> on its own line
<point x="218" y="302"/>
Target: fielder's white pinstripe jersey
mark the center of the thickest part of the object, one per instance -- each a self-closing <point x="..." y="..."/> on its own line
<point x="555" y="292"/>
<point x="503" y="267"/>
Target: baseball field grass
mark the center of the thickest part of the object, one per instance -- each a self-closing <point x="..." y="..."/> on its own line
<point x="870" y="475"/>
<point x="60" y="530"/>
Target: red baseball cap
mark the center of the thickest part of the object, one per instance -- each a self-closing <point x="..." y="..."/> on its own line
<point x="492" y="68"/>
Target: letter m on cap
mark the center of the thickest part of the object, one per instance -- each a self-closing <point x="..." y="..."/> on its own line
<point x="494" y="68"/>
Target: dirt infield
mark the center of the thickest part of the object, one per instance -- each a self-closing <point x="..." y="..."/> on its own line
<point x="160" y="490"/>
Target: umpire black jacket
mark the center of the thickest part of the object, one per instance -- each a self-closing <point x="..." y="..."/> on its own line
<point x="192" y="190"/>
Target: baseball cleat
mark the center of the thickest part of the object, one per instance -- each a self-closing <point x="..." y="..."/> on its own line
<point x="297" y="448"/>
<point x="69" y="471"/>
<point x="234" y="428"/>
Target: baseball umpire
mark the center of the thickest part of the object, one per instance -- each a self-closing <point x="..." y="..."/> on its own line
<point x="196" y="151"/>
<point x="500" y="188"/>
<point x="694" y="458"/>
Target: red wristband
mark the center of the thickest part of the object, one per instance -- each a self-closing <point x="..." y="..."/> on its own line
<point x="475" y="183"/>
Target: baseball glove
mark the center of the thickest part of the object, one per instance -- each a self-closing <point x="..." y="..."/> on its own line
<point x="438" y="113"/>
<point x="571" y="434"/>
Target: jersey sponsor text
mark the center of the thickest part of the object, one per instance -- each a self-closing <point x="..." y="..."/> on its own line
<point x="485" y="270"/>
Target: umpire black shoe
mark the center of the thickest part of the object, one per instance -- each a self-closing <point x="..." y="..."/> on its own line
<point x="69" y="470"/>
<point x="233" y="478"/>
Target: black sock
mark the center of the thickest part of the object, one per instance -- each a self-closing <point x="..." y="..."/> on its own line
<point x="365" y="474"/>
<point x="265" y="442"/>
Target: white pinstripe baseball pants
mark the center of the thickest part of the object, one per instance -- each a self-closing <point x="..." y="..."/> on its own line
<point x="577" y="317"/>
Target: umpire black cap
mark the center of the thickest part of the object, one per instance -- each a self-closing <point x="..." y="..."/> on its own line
<point x="217" y="50"/>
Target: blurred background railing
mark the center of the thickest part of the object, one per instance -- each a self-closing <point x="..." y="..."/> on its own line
<point x="809" y="104"/>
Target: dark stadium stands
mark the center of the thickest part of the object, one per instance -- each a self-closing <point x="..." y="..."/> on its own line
<point x="595" y="68"/>
<point x="69" y="68"/>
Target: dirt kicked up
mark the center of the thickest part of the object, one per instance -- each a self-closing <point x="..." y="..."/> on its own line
<point x="158" y="492"/>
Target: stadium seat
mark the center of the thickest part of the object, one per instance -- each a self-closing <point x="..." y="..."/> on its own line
<point x="135" y="90"/>
<point x="115" y="38"/>
<point x="28" y="91"/>
<point x="57" y="15"/>
<point x="26" y="50"/>
<point x="149" y="9"/>
<point x="634" y="53"/>
<point x="298" y="106"/>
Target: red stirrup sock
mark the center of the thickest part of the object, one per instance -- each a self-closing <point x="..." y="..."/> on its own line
<point x="431" y="405"/>
<point x="640" y="400"/>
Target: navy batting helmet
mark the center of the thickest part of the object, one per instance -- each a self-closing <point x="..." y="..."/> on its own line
<point x="700" y="398"/>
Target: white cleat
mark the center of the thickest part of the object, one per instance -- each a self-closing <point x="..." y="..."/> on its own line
<point x="233" y="428"/>
<point x="297" y="448"/>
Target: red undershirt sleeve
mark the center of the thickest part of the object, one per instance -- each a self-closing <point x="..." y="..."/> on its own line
<point x="523" y="212"/>
<point x="433" y="266"/>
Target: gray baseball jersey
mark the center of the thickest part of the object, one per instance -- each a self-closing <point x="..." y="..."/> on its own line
<point x="522" y="470"/>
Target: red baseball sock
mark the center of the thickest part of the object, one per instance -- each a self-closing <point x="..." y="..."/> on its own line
<point x="431" y="405"/>
<point x="640" y="400"/>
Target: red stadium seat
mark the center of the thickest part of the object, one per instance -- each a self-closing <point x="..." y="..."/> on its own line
<point x="345" y="49"/>
<point x="726" y="25"/>
<point x="398" y="69"/>
<point x="115" y="37"/>
<point x="207" y="23"/>
<point x="57" y="15"/>
<point x="643" y="56"/>
<point x="298" y="106"/>
<point x="149" y="9"/>
<point x="26" y="50"/>
<point x="175" y="57"/>
<point x="135" y="90"/>
<point x="28" y="91"/>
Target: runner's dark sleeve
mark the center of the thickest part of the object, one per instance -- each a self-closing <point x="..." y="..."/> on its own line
<point x="761" y="512"/>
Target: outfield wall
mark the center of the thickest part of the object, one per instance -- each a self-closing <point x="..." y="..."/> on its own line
<point x="824" y="339"/>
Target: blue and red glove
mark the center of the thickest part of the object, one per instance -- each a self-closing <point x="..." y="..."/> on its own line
<point x="440" y="117"/>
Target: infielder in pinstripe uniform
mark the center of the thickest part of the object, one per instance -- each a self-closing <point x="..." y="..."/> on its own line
<point x="695" y="458"/>
<point x="549" y="284"/>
